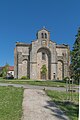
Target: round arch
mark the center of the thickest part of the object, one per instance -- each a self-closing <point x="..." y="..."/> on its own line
<point x="43" y="58"/>
<point x="60" y="70"/>
<point x="44" y="48"/>
<point x="24" y="67"/>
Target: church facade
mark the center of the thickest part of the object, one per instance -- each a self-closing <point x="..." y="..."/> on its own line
<point x="29" y="59"/>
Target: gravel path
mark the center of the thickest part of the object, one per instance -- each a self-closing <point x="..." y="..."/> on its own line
<point x="38" y="106"/>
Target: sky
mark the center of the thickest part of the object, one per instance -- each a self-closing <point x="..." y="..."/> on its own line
<point x="21" y="19"/>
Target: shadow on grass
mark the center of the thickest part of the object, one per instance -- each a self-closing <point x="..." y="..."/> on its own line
<point x="67" y="108"/>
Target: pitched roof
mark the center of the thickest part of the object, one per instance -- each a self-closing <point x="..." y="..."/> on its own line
<point x="43" y="29"/>
<point x="22" y="44"/>
<point x="62" y="46"/>
<point x="11" y="68"/>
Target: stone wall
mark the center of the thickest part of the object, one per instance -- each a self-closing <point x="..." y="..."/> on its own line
<point x="21" y="55"/>
<point x="63" y="57"/>
<point x="28" y="58"/>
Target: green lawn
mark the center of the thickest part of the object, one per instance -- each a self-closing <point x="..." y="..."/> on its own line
<point x="71" y="109"/>
<point x="36" y="82"/>
<point x="11" y="103"/>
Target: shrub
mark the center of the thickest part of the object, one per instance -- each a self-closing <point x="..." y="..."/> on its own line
<point x="0" y="74"/>
<point x="24" y="77"/>
<point x="64" y="79"/>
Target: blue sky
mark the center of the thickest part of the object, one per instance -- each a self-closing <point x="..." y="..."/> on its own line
<point x="20" y="20"/>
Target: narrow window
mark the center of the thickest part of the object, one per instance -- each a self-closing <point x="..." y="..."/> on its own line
<point x="45" y="35"/>
<point x="54" y="75"/>
<point x="43" y="56"/>
<point x="42" y="35"/>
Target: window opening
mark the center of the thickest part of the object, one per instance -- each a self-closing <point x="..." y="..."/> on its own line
<point x="42" y="35"/>
<point x="43" y="56"/>
<point x="45" y="35"/>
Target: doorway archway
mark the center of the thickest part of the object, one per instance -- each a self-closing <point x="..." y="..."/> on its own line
<point x="60" y="71"/>
<point x="43" y="58"/>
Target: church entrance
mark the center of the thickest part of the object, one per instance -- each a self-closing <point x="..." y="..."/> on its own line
<point x="43" y="72"/>
<point x="43" y="76"/>
<point x="43" y="64"/>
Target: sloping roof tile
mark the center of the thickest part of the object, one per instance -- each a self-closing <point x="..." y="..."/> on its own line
<point x="11" y="68"/>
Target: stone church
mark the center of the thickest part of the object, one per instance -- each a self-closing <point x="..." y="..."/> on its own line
<point x="30" y="58"/>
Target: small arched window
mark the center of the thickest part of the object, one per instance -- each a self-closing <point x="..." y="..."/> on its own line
<point x="43" y="56"/>
<point x="45" y="35"/>
<point x="42" y="35"/>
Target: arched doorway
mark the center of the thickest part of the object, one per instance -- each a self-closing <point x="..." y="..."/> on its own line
<point x="43" y="58"/>
<point x="24" y="67"/>
<point x="60" y="70"/>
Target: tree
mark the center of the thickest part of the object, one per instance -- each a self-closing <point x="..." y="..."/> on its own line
<point x="75" y="58"/>
<point x="5" y="70"/>
<point x="43" y="71"/>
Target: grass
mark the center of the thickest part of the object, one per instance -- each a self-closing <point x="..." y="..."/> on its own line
<point x="71" y="109"/>
<point x="36" y="82"/>
<point x="11" y="100"/>
<point x="40" y="83"/>
<point x="11" y="103"/>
